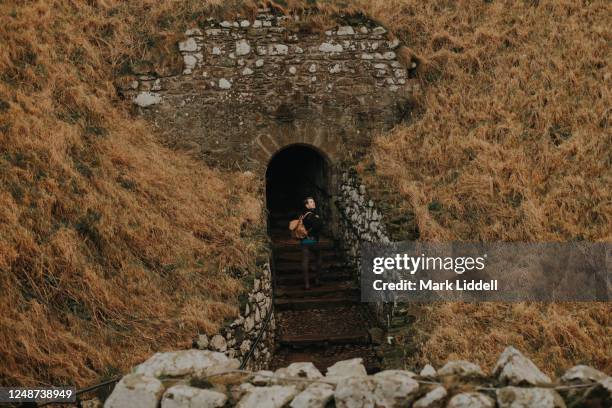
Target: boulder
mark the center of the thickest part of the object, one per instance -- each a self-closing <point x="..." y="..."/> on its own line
<point x="184" y="396"/>
<point x="428" y="371"/>
<point x="316" y="395"/>
<point x="433" y="399"/>
<point x="354" y="392"/>
<point x="347" y="368"/>
<point x="275" y="396"/>
<point x="135" y="391"/>
<point x="470" y="400"/>
<point x="582" y="374"/>
<point x="394" y="388"/>
<point x="515" y="397"/>
<point x="462" y="368"/>
<point x="295" y="371"/>
<point x="193" y="362"/>
<point x="514" y="368"/>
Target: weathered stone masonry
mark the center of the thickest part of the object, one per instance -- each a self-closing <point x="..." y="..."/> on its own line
<point x="239" y="336"/>
<point x="250" y="88"/>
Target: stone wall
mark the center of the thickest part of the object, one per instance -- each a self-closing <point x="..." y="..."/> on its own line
<point x="250" y="87"/>
<point x="195" y="378"/>
<point x="237" y="337"/>
<point x="361" y="221"/>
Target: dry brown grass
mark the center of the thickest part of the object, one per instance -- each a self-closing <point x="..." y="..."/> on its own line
<point x="111" y="246"/>
<point x="510" y="142"/>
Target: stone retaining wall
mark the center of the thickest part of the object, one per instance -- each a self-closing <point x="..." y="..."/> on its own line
<point x="361" y="221"/>
<point x="194" y="378"/>
<point x="236" y="338"/>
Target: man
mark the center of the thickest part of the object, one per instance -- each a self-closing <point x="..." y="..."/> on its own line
<point x="310" y="245"/>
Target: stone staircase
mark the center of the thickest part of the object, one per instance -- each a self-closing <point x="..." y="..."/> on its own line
<point x="326" y="323"/>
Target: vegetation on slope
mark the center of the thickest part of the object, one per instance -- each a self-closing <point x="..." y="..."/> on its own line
<point x="510" y="141"/>
<point x="111" y="245"/>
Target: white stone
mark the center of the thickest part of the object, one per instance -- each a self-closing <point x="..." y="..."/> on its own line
<point x="216" y="51"/>
<point x="329" y="32"/>
<point x="335" y="69"/>
<point x="224" y="84"/>
<point x="583" y="374"/>
<point x="345" y="30"/>
<point x="184" y="396"/>
<point x="515" y="397"/>
<point x="433" y="399"/>
<point x="189" y="45"/>
<point x="470" y="400"/>
<point x="186" y="362"/>
<point x="278" y="49"/>
<point x="354" y="392"/>
<point x="298" y="50"/>
<point x="462" y="368"/>
<point x="193" y="31"/>
<point x="259" y="63"/>
<point x="399" y="73"/>
<point x="347" y="368"/>
<point x="156" y="85"/>
<point x="247" y="71"/>
<point x="190" y="62"/>
<point x="249" y="323"/>
<point x="257" y="24"/>
<point x="379" y="31"/>
<point x="292" y="70"/>
<point x="267" y="24"/>
<point x="262" y="377"/>
<point x="380" y="66"/>
<point x="276" y="396"/>
<point x="312" y="68"/>
<point x="428" y="370"/>
<point x="329" y="47"/>
<point x="514" y="368"/>
<point x="144" y="99"/>
<point x="366" y="56"/>
<point x="135" y="391"/>
<point x="202" y="341"/>
<point x="242" y="47"/>
<point x="245" y="23"/>
<point x="218" y="341"/>
<point x="134" y="84"/>
<point x="316" y="395"/>
<point x="394" y="388"/>
<point x="225" y="24"/>
<point x="214" y="31"/>
<point x="389" y="55"/>
<point x="393" y="43"/>
<point x="363" y="30"/>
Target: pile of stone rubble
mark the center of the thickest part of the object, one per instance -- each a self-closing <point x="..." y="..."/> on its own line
<point x="202" y="378"/>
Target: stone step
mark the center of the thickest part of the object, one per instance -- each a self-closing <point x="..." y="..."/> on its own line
<point x="358" y="337"/>
<point x="292" y="279"/>
<point x="298" y="291"/>
<point x="295" y="266"/>
<point x="318" y="302"/>
<point x="328" y="255"/>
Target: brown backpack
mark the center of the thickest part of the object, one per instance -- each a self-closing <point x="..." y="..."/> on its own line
<point x="297" y="228"/>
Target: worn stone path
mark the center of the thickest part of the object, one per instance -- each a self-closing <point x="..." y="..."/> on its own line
<point x="325" y="324"/>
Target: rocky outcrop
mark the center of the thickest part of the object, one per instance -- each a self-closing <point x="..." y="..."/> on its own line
<point x="202" y="378"/>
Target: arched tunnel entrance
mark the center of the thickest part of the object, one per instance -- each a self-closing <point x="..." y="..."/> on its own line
<point x="318" y="314"/>
<point x="294" y="173"/>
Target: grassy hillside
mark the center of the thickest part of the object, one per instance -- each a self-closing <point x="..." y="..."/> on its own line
<point x="510" y="141"/>
<point x="111" y="246"/>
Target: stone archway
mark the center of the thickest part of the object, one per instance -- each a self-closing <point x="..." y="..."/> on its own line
<point x="293" y="173"/>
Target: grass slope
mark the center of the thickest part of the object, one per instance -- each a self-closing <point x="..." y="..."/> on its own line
<point x="111" y="245"/>
<point x="510" y="141"/>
